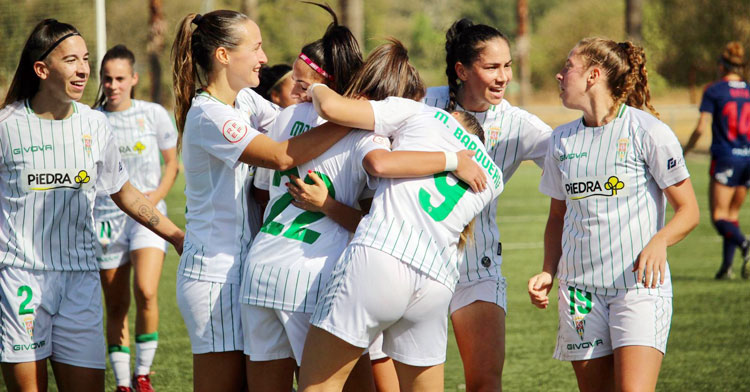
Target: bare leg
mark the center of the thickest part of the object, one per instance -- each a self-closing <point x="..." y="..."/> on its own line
<point x="637" y="368"/>
<point x="25" y="376"/>
<point x="419" y="378"/>
<point x="384" y="373"/>
<point x="147" y="263"/>
<point x="480" y="333"/>
<point x="595" y="375"/>
<point x="275" y="375"/>
<point x="78" y="379"/>
<point x="116" y="288"/>
<point x="361" y="378"/>
<point x="218" y="372"/>
<point x="326" y="361"/>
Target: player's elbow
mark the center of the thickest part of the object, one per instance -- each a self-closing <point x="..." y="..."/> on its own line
<point x="374" y="166"/>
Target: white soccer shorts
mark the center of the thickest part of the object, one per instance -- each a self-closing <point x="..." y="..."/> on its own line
<point x="491" y="289"/>
<point x="408" y="307"/>
<point x="211" y="312"/>
<point x="118" y="237"/>
<point x="593" y="326"/>
<point x="51" y="314"/>
<point x="274" y="334"/>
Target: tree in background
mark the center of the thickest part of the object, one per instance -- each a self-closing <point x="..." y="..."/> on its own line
<point x="157" y="27"/>
<point x="353" y="17"/>
<point x="634" y="20"/>
<point x="523" y="44"/>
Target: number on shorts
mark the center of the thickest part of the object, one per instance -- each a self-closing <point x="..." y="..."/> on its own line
<point x="296" y="230"/>
<point x="583" y="298"/>
<point x="452" y="194"/>
<point x="741" y="127"/>
<point x="106" y="231"/>
<point x="25" y="290"/>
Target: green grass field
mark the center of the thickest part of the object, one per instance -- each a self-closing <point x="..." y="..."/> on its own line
<point x="709" y="344"/>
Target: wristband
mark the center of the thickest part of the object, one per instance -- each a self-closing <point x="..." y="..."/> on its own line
<point x="451" y="161"/>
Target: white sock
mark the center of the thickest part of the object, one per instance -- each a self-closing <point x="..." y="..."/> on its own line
<point x="120" y="361"/>
<point x="144" y="356"/>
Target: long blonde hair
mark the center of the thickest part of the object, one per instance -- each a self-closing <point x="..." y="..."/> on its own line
<point x="624" y="64"/>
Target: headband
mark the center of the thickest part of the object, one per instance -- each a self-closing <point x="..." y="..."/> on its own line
<point x="197" y="19"/>
<point x="54" y="45"/>
<point x="314" y="66"/>
<point x="279" y="80"/>
<point x="728" y="63"/>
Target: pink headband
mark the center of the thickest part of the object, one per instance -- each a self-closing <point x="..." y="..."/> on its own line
<point x="314" y="66"/>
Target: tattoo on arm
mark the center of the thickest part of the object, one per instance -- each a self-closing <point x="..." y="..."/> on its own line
<point x="146" y="211"/>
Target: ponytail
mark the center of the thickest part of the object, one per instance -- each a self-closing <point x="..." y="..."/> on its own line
<point x="337" y="53"/>
<point x="624" y="64"/>
<point x="43" y="39"/>
<point x="192" y="55"/>
<point x="733" y="58"/>
<point x="464" y="42"/>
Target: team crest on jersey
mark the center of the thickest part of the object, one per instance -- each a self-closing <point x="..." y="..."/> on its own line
<point x="234" y="131"/>
<point x="492" y="137"/>
<point x="28" y="323"/>
<point x="622" y="149"/>
<point x="579" y="322"/>
<point x="141" y="124"/>
<point x="37" y="180"/>
<point x="86" y="138"/>
<point x="605" y="186"/>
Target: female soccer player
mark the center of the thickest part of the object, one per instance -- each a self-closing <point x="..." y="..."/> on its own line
<point x="57" y="154"/>
<point x="276" y="85"/>
<point x="222" y="54"/>
<point x="610" y="175"/>
<point x="479" y="70"/>
<point x="143" y="131"/>
<point x="726" y="106"/>
<point x="409" y="238"/>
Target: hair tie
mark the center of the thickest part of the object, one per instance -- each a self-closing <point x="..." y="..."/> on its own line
<point x="623" y="45"/>
<point x="280" y="80"/>
<point x="54" y="45"/>
<point x="314" y="66"/>
<point x="197" y="19"/>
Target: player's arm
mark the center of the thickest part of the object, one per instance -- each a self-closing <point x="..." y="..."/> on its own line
<point x="541" y="284"/>
<point x="314" y="197"/>
<point x="137" y="206"/>
<point x="410" y="164"/>
<point x="171" y="168"/>
<point x="266" y="152"/>
<point x="704" y="123"/>
<point x="653" y="258"/>
<point x="355" y="113"/>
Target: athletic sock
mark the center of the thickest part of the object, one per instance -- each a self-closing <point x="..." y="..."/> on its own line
<point x="145" y="349"/>
<point x="730" y="232"/>
<point x="728" y="252"/>
<point x="119" y="357"/>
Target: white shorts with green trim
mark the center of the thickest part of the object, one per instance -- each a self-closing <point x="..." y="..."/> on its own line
<point x="118" y="237"/>
<point x="593" y="326"/>
<point x="51" y="314"/>
<point x="212" y="316"/>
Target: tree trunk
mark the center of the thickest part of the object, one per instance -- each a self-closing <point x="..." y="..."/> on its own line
<point x="249" y="8"/>
<point x="634" y="19"/>
<point x="155" y="46"/>
<point x="523" y="43"/>
<point x="353" y="17"/>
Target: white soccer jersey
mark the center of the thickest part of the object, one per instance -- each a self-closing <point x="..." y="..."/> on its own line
<point x="419" y="220"/>
<point x="293" y="255"/>
<point x="611" y="178"/>
<point x="51" y="171"/>
<point x="217" y="237"/>
<point x="141" y="132"/>
<point x="512" y="135"/>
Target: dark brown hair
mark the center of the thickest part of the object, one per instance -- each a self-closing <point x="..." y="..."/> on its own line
<point x="733" y="58"/>
<point x="116" y="52"/>
<point x="42" y="39"/>
<point x="387" y="73"/>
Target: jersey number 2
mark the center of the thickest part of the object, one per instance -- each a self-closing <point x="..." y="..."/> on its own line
<point x="451" y="193"/>
<point x="741" y="127"/>
<point x="296" y="230"/>
<point x="25" y="290"/>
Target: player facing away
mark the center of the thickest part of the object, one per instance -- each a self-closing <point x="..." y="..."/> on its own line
<point x="478" y="67"/>
<point x="56" y="156"/>
<point x="143" y="132"/>
<point x="610" y="175"/>
<point x="221" y="52"/>
<point x="415" y="249"/>
<point x="726" y="107"/>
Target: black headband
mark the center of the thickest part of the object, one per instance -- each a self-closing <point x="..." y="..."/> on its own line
<point x="51" y="48"/>
<point x="197" y="19"/>
<point x="729" y="64"/>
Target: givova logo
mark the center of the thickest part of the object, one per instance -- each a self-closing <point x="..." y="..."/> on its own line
<point x="605" y="186"/>
<point x="29" y="347"/>
<point x="50" y="179"/>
